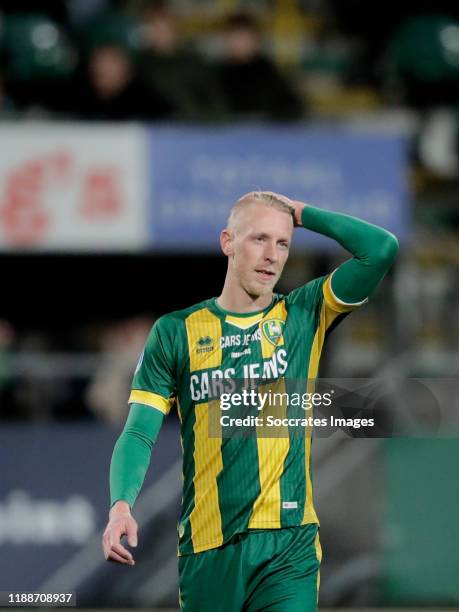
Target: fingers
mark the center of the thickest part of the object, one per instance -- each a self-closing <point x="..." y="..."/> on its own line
<point x="132" y="535"/>
<point x="121" y="551"/>
<point x="132" y="540"/>
<point x="115" y="557"/>
<point x="114" y="550"/>
<point x="117" y="552"/>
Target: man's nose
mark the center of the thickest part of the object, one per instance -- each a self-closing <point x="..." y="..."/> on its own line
<point x="271" y="252"/>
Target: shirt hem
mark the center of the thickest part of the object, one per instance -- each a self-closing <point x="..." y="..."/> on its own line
<point x="260" y="525"/>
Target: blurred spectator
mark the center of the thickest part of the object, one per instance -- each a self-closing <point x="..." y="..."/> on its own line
<point x="251" y="82"/>
<point x="175" y="69"/>
<point x="113" y="90"/>
<point x="121" y="346"/>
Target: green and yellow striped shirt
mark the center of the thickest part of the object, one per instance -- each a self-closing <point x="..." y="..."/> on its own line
<point x="234" y="484"/>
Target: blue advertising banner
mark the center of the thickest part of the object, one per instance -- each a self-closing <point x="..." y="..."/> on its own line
<point x="196" y="174"/>
<point x="54" y="498"/>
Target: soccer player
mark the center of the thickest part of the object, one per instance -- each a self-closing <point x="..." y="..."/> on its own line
<point x="248" y="531"/>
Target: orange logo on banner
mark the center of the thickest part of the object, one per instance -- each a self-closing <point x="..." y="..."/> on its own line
<point x="22" y="214"/>
<point x="101" y="194"/>
<point x="28" y="215"/>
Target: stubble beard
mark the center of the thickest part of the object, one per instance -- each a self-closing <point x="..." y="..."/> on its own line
<point x="256" y="290"/>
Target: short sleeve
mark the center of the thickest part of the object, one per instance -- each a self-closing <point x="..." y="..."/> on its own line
<point x="333" y="302"/>
<point x="154" y="379"/>
<point x="317" y="297"/>
<point x="309" y="296"/>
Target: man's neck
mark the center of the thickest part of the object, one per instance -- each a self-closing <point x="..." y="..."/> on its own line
<point x="240" y="301"/>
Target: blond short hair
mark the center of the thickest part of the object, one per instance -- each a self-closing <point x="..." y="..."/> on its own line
<point x="267" y="198"/>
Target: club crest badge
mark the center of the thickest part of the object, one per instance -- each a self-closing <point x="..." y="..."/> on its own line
<point x="272" y="330"/>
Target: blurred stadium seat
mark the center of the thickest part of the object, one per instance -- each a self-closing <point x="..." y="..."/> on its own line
<point x="37" y="48"/>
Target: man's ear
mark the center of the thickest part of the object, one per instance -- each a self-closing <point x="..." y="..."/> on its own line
<point x="226" y="242"/>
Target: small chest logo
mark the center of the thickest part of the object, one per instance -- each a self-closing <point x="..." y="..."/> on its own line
<point x="205" y="344"/>
<point x="272" y="330"/>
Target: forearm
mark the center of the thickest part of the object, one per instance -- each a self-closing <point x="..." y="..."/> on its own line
<point x="132" y="453"/>
<point x="373" y="248"/>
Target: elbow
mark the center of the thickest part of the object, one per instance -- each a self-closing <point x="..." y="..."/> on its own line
<point x="390" y="248"/>
<point x="387" y="249"/>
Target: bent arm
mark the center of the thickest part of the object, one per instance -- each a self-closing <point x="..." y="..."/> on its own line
<point x="374" y="250"/>
<point x="132" y="453"/>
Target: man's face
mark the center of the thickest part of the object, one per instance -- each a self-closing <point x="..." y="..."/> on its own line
<point x="260" y="247"/>
<point x="110" y="71"/>
<point x="242" y="44"/>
